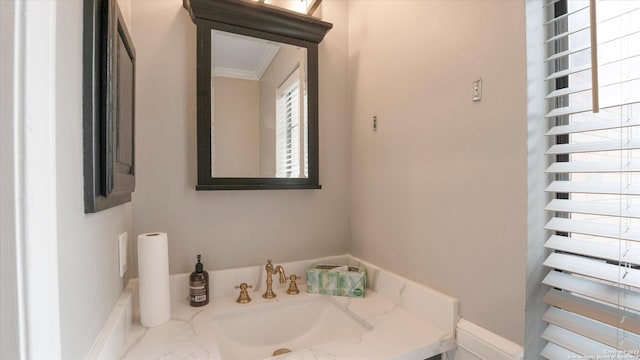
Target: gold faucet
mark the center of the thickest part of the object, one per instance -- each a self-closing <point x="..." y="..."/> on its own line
<point x="269" y="294"/>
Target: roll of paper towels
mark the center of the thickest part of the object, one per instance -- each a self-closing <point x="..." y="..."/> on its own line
<point x="153" y="279"/>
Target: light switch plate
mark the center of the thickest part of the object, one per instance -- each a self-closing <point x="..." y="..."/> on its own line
<point x="122" y="252"/>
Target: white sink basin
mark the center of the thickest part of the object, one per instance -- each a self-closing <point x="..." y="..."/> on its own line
<point x="255" y="332"/>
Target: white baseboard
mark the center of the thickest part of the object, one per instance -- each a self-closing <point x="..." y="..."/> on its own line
<point x="475" y="342"/>
<point x="111" y="340"/>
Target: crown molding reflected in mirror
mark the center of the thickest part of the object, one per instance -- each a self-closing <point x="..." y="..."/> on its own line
<point x="280" y="32"/>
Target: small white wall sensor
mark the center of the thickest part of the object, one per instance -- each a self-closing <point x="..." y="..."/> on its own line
<point x="477" y="90"/>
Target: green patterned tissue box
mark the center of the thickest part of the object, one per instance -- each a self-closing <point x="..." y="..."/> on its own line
<point x="337" y="280"/>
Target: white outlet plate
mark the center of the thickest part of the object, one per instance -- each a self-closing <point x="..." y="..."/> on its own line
<point x="122" y="252"/>
<point x="477" y="90"/>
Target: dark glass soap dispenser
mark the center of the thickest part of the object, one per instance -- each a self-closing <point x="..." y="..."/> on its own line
<point x="199" y="286"/>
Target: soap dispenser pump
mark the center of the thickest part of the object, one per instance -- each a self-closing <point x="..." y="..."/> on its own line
<point x="199" y="286"/>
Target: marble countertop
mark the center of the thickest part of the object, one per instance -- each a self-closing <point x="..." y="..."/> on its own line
<point x="396" y="333"/>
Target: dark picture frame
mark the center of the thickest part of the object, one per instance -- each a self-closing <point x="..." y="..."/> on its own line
<point x="108" y="107"/>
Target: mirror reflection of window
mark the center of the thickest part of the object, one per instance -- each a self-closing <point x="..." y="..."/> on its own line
<point x="290" y="125"/>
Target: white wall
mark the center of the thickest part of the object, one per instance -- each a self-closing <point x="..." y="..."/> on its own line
<point x="229" y="228"/>
<point x="439" y="191"/>
<point x="89" y="281"/>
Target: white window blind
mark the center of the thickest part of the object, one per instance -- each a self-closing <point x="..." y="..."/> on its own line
<point x="594" y="122"/>
<point x="213" y="128"/>
<point x="290" y="128"/>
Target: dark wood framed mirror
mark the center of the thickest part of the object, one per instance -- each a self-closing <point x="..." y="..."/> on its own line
<point x="257" y="95"/>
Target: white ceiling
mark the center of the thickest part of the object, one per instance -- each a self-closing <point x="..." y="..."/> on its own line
<point x="239" y="56"/>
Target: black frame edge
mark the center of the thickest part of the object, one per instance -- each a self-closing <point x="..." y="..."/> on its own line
<point x="99" y="16"/>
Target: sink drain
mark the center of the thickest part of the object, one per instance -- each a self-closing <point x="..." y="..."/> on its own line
<point x="281" y="351"/>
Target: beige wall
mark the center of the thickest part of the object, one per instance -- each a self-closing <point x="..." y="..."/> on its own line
<point x="229" y="228"/>
<point x="237" y="127"/>
<point x="439" y="191"/>
<point x="437" y="194"/>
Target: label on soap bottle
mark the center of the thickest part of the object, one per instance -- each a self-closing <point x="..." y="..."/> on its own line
<point x="198" y="291"/>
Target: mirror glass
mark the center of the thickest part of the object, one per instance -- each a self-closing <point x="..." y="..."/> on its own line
<point x="259" y="125"/>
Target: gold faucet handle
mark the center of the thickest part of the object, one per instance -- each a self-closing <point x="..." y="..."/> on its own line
<point x="293" y="288"/>
<point x="243" y="298"/>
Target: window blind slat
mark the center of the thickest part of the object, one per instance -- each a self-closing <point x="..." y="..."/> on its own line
<point x="575" y="343"/>
<point x="569" y="71"/>
<point x="594" y="208"/>
<point x="593" y="146"/>
<point x="584" y="108"/>
<point x="593" y="188"/>
<point x="569" y="13"/>
<point x="568" y="91"/>
<point x="619" y="37"/>
<point x="593" y="268"/>
<point x="552" y="351"/>
<point x="602" y="333"/>
<point x="597" y="311"/>
<point x="593" y="289"/>
<point x="568" y="52"/>
<point x="627" y="79"/>
<point x="568" y="110"/>
<point x="585" y="227"/>
<point x="591" y="126"/>
<point x="592" y="167"/>
<point x="620" y="93"/>
<point x="566" y="34"/>
<point x="630" y="7"/>
<point x="619" y="59"/>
